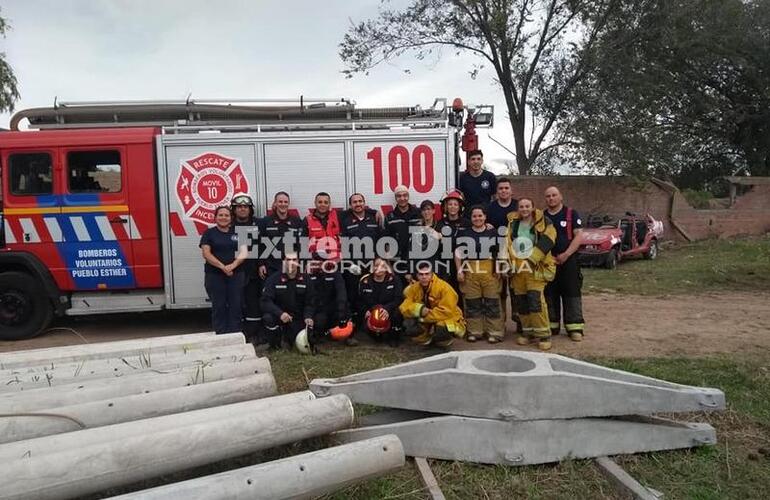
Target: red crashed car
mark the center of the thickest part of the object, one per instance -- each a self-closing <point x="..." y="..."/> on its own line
<point x="608" y="240"/>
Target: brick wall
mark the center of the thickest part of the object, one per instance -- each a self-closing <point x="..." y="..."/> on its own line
<point x="750" y="215"/>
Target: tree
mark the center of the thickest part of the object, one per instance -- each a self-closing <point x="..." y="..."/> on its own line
<point x="540" y="50"/>
<point x="681" y="90"/>
<point x="9" y="93"/>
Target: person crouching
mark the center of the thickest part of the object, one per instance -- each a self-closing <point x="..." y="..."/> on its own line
<point x="430" y="310"/>
<point x="379" y="295"/>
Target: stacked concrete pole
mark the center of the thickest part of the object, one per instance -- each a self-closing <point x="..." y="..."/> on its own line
<point x="78" y="420"/>
<point x="88" y="469"/>
<point x="63" y="389"/>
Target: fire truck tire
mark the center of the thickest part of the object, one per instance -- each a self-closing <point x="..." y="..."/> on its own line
<point x="25" y="310"/>
<point x="652" y="253"/>
<point x="611" y="261"/>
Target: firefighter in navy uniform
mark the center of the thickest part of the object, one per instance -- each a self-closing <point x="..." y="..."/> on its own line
<point x="275" y="226"/>
<point x="477" y="184"/>
<point x="564" y="292"/>
<point x="450" y="225"/>
<point x="365" y="224"/>
<point x="380" y="295"/>
<point x="329" y="302"/>
<point x="397" y="224"/>
<point x="286" y="302"/>
<point x="243" y="210"/>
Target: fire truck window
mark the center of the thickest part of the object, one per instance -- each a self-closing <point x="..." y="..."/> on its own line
<point x="30" y="173"/>
<point x="93" y="171"/>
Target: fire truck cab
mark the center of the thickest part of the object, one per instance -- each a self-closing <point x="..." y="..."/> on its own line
<point x="103" y="206"/>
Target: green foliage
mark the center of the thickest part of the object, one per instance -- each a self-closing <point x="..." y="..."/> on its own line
<point x="540" y="51"/>
<point x="681" y="91"/>
<point x="9" y="92"/>
<point x="697" y="199"/>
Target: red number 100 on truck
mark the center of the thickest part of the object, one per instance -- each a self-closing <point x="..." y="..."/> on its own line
<point x="103" y="204"/>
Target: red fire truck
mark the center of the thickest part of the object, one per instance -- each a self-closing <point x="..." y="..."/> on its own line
<point x="103" y="203"/>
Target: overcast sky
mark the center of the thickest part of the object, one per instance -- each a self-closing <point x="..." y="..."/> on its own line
<point x="165" y="49"/>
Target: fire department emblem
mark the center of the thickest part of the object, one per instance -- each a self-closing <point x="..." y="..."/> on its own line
<point x="208" y="181"/>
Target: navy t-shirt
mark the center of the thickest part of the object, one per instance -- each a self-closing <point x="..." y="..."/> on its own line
<point x="559" y="220"/>
<point x="497" y="215"/>
<point x="223" y="246"/>
<point x="477" y="190"/>
<point x="469" y="241"/>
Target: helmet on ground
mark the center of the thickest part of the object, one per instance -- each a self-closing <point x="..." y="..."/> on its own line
<point x="302" y="341"/>
<point x="377" y="320"/>
<point x="242" y="200"/>
<point x="341" y="332"/>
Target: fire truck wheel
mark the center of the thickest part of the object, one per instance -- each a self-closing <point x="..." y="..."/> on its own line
<point x="25" y="311"/>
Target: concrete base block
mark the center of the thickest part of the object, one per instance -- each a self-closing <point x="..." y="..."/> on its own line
<point x="302" y="476"/>
<point x="58" y="443"/>
<point x="528" y="442"/>
<point x="516" y="385"/>
<point x="96" y="390"/>
<point x="22" y="379"/>
<point x="105" y="350"/>
<point x="89" y="469"/>
<point x="135" y="407"/>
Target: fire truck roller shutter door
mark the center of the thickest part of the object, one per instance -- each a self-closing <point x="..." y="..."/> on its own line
<point x="419" y="163"/>
<point x="304" y="169"/>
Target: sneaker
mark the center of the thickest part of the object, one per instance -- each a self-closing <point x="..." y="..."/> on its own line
<point x="522" y="340"/>
<point x="544" y="345"/>
<point x="351" y="341"/>
<point x="471" y="337"/>
<point x="493" y="340"/>
<point x="576" y="336"/>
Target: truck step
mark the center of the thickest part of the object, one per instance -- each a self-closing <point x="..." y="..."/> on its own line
<point x="116" y="302"/>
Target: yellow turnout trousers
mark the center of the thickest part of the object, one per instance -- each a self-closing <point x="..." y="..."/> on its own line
<point x="481" y="294"/>
<point x="530" y="302"/>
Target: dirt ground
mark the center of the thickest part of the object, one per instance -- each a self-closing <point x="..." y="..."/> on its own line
<point x="617" y="326"/>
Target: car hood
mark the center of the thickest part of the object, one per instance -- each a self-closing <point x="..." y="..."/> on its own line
<point x="597" y="236"/>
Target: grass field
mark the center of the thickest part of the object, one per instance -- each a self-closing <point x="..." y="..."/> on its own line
<point x="738" y="467"/>
<point x="712" y="265"/>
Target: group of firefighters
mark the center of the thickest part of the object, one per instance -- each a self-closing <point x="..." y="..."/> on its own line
<point x="485" y="248"/>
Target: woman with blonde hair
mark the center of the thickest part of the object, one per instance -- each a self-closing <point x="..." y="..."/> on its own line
<point x="530" y="238"/>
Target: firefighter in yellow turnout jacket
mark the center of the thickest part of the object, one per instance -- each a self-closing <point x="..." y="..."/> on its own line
<point x="430" y="310"/>
<point x="530" y="238"/>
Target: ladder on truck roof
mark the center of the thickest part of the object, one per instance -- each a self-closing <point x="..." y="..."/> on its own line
<point x="233" y="115"/>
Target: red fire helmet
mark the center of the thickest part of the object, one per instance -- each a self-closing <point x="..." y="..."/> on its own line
<point x="377" y="320"/>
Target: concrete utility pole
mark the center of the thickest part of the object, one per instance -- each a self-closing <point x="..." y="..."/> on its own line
<point x="96" y="390"/>
<point x="17" y="380"/>
<point x="89" y="469"/>
<point x="67" y="441"/>
<point x="302" y="476"/>
<point x="152" y="346"/>
<point x="135" y="407"/>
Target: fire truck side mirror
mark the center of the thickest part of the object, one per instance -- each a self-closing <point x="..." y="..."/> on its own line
<point x="485" y="118"/>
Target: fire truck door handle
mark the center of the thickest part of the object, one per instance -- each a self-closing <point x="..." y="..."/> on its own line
<point x="118" y="219"/>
